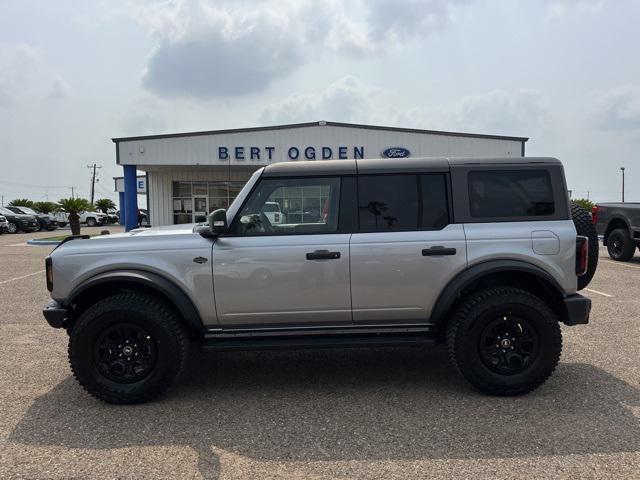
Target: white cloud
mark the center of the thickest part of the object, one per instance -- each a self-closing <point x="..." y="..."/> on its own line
<point x="345" y="100"/>
<point x="617" y="109"/>
<point x="25" y="76"/>
<point x="498" y="111"/>
<point x="559" y="8"/>
<point x="228" y="48"/>
<point x="512" y="112"/>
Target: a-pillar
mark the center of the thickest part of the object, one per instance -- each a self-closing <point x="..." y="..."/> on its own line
<point x="130" y="197"/>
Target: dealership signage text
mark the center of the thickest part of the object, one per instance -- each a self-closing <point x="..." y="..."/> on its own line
<point x="291" y="153"/>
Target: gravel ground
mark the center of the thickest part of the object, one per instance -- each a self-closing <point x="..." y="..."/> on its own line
<point x="379" y="413"/>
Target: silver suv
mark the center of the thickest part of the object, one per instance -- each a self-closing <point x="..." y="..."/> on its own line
<point x="480" y="254"/>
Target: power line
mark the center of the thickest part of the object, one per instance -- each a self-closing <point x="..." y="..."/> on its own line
<point x="28" y="185"/>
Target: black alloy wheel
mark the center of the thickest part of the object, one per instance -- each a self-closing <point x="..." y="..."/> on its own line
<point x="509" y="345"/>
<point x="125" y="353"/>
<point x="619" y="245"/>
<point x="504" y="340"/>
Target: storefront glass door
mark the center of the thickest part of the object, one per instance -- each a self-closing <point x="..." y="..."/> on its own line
<point x="200" y="209"/>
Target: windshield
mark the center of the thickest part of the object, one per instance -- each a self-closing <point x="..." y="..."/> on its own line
<point x="27" y="210"/>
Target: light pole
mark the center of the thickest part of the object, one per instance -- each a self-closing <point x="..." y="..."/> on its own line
<point x="622" y="169"/>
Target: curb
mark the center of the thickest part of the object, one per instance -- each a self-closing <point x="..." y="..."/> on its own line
<point x="35" y="241"/>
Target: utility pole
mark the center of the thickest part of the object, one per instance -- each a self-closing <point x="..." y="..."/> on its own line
<point x="72" y="195"/>
<point x="622" y="169"/>
<point x="93" y="179"/>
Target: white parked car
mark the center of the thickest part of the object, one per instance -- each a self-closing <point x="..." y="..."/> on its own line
<point x="91" y="219"/>
<point x="273" y="213"/>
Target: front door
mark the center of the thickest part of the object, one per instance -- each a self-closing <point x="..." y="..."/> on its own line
<point x="200" y="209"/>
<point x="285" y="274"/>
<point x="405" y="251"/>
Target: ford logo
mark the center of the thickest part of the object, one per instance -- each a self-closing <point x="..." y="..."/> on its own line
<point x="396" y="152"/>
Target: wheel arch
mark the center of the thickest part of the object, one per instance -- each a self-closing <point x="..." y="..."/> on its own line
<point x="615" y="222"/>
<point x="109" y="283"/>
<point x="514" y="273"/>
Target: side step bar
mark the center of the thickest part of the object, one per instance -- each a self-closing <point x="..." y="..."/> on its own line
<point x="306" y="339"/>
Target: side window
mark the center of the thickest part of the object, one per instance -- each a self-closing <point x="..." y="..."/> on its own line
<point x="388" y="202"/>
<point x="510" y="193"/>
<point x="290" y="207"/>
<point x="435" y="210"/>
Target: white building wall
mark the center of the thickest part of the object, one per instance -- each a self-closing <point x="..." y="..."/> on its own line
<point x="196" y="157"/>
<point x="204" y="149"/>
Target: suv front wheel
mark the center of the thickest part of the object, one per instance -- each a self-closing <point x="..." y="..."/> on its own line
<point x="504" y="341"/>
<point x="128" y="348"/>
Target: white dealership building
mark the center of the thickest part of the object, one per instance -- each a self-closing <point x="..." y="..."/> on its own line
<point x="191" y="174"/>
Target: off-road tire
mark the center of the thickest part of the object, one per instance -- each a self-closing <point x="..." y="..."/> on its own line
<point x="628" y="248"/>
<point x="584" y="227"/>
<point x="147" y="312"/>
<point x="476" y="312"/>
<point x="91" y="222"/>
<point x="13" y="227"/>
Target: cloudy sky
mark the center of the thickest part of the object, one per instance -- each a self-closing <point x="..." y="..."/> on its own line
<point x="74" y="74"/>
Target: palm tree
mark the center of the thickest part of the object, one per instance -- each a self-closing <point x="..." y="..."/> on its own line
<point x="104" y="205"/>
<point x="73" y="206"/>
<point x="44" y="207"/>
<point x="21" y="202"/>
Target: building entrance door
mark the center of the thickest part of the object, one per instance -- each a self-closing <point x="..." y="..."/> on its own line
<point x="200" y="209"/>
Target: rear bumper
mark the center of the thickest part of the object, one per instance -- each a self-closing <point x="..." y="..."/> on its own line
<point x="578" y="309"/>
<point x="55" y="314"/>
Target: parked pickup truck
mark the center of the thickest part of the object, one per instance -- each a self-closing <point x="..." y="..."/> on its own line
<point x="619" y="223"/>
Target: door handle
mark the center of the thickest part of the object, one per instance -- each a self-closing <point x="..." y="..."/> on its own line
<point x="437" y="251"/>
<point x="322" y="255"/>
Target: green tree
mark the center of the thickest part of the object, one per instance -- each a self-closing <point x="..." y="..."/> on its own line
<point x="45" y="207"/>
<point x="584" y="203"/>
<point x="21" y="202"/>
<point x="104" y="204"/>
<point x="73" y="206"/>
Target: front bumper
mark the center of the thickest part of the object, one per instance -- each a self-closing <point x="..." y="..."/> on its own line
<point x="578" y="309"/>
<point x="55" y="314"/>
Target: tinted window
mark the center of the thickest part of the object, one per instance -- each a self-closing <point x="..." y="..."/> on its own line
<point x="388" y="202"/>
<point x="510" y="193"/>
<point x="435" y="213"/>
<point x="307" y="205"/>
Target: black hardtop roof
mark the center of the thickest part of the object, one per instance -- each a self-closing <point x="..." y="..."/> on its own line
<point x="393" y="165"/>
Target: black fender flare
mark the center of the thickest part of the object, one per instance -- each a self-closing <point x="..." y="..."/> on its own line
<point x="153" y="281"/>
<point x="450" y="293"/>
<point x="607" y="231"/>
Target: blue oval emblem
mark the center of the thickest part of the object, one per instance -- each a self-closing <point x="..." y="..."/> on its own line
<point x="396" y="152"/>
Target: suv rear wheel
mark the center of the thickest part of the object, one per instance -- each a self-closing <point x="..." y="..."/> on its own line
<point x="128" y="348"/>
<point x="620" y="246"/>
<point x="504" y="341"/>
<point x="91" y="222"/>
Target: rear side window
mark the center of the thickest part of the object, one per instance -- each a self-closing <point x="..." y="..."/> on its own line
<point x="510" y="193"/>
<point x="402" y="202"/>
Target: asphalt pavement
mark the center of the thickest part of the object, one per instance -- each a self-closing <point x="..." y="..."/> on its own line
<point x="392" y="413"/>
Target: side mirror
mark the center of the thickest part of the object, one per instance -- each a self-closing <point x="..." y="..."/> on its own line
<point x="218" y="221"/>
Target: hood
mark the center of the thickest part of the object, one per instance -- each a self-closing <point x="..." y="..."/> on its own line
<point x="141" y="239"/>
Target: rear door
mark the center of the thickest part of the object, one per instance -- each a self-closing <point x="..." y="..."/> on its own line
<point x="406" y="250"/>
<point x="285" y="274"/>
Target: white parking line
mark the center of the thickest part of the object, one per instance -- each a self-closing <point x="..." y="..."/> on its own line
<point x="599" y="293"/>
<point x="620" y="264"/>
<point x="20" y="278"/>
